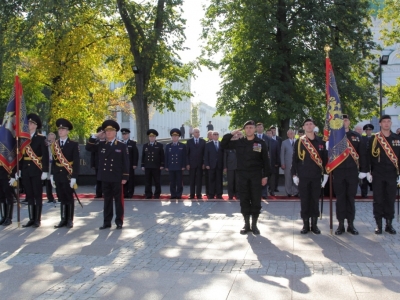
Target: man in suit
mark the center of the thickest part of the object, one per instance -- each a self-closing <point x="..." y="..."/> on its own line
<point x="129" y="187"/>
<point x="209" y="139"/>
<point x="65" y="171"/>
<point x="152" y="163"/>
<point x="286" y="163"/>
<point x="275" y="162"/>
<point x="261" y="135"/>
<point x="274" y="188"/>
<point x="213" y="161"/>
<point x="34" y="167"/>
<point x="94" y="162"/>
<point x="113" y="172"/>
<point x="366" y="139"/>
<point x="195" y="163"/>
<point x="230" y="167"/>
<point x="175" y="162"/>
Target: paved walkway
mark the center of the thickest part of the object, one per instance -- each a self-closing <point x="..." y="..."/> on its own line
<point x="192" y="250"/>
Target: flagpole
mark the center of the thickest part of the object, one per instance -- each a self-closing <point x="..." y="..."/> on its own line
<point x="18" y="200"/>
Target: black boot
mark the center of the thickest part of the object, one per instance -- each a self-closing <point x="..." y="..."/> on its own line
<point x="351" y="228"/>
<point x="70" y="216"/>
<point x="378" y="229"/>
<point x="63" y="212"/>
<point x="31" y="213"/>
<point x="254" y="227"/>
<point x="389" y="228"/>
<point x="2" y="213"/>
<point x="340" y="228"/>
<point x="246" y="227"/>
<point x="8" y="214"/>
<point x="306" y="226"/>
<point x="38" y="215"/>
<point x="314" y="227"/>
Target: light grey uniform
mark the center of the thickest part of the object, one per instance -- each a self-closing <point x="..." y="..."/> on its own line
<point x="286" y="159"/>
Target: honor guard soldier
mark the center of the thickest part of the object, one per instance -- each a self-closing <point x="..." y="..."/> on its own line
<point x="113" y="171"/>
<point x="152" y="164"/>
<point x="94" y="162"/>
<point x="64" y="171"/>
<point x="34" y="167"/>
<point x="364" y="184"/>
<point x="308" y="168"/>
<point x="383" y="160"/>
<point x="175" y="162"/>
<point x="129" y="187"/>
<point x="253" y="167"/>
<point x="345" y="178"/>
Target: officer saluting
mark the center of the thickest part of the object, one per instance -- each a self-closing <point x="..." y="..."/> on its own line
<point x="129" y="187"/>
<point x="64" y="171"/>
<point x="113" y="171"/>
<point x="175" y="162"/>
<point x="152" y="164"/>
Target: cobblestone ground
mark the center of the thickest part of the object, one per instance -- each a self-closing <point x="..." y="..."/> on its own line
<point x="194" y="229"/>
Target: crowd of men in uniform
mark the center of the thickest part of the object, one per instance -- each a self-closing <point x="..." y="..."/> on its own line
<point x="250" y="157"/>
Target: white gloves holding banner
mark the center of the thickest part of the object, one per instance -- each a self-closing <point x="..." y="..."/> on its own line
<point x="18" y="175"/>
<point x="296" y="180"/>
<point x="369" y="177"/>
<point x="44" y="176"/>
<point x="362" y="175"/>
<point x="52" y="181"/>
<point x="72" y="183"/>
<point x="327" y="145"/>
<point x="11" y="182"/>
<point x="326" y="176"/>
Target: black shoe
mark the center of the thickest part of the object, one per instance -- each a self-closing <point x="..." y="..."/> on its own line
<point x="272" y="194"/>
<point x="246" y="227"/>
<point x="364" y="196"/>
<point x="254" y="227"/>
<point x="119" y="227"/>
<point x="104" y="227"/>
<point x="296" y="195"/>
<point x="219" y="197"/>
<point x="199" y="196"/>
<point x="98" y="196"/>
<point x="276" y="190"/>
<point x="306" y="226"/>
<point x="50" y="201"/>
<point x="378" y="229"/>
<point x="288" y="195"/>
<point x="351" y="229"/>
<point x="389" y="228"/>
<point x="314" y="227"/>
<point x="340" y="228"/>
<point x="264" y="197"/>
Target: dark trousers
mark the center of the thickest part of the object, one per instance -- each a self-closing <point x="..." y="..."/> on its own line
<point x="384" y="188"/>
<point x="232" y="183"/>
<point x="206" y="181"/>
<point x="175" y="183"/>
<point x="272" y="183"/>
<point x="310" y="190"/>
<point x="364" y="187"/>
<point x="215" y="183"/>
<point x="129" y="186"/>
<point x="249" y="186"/>
<point x="65" y="193"/>
<point x="151" y="174"/>
<point x="33" y="189"/>
<point x="6" y="192"/>
<point x="112" y="191"/>
<point x="196" y="176"/>
<point x="49" y="190"/>
<point x="99" y="187"/>
<point x="345" y="182"/>
<point x="276" y="180"/>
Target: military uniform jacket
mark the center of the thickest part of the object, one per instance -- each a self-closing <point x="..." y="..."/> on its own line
<point x="5" y="175"/>
<point x="360" y="147"/>
<point x="378" y="160"/>
<point x="70" y="150"/>
<point x="252" y="155"/>
<point x="230" y="160"/>
<point x="175" y="156"/>
<point x="133" y="153"/>
<point x="304" y="166"/>
<point x="38" y="145"/>
<point x="153" y="156"/>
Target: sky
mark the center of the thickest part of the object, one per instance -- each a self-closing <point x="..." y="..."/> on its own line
<point x="205" y="87"/>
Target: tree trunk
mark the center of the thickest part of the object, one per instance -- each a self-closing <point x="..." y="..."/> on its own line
<point x="283" y="128"/>
<point x="141" y="109"/>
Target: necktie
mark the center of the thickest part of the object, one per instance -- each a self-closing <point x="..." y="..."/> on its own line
<point x="291" y="142"/>
<point x="62" y="143"/>
<point x="195" y="141"/>
<point x="259" y="136"/>
<point x="110" y="144"/>
<point x="216" y="145"/>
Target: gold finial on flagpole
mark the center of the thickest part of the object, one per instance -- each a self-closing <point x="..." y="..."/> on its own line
<point x="327" y="48"/>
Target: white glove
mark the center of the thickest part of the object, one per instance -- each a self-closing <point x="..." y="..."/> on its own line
<point x="362" y="175"/>
<point x="44" y="176"/>
<point x="369" y="177"/>
<point x="296" y="180"/>
<point x="326" y="176"/>
<point x="72" y="183"/>
<point x="398" y="180"/>
<point x="11" y="182"/>
<point x="327" y="145"/>
<point x="18" y="175"/>
<point x="52" y="181"/>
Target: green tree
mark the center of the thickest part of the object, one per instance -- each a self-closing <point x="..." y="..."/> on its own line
<point x="273" y="59"/>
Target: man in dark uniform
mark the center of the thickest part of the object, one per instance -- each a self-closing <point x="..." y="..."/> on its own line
<point x="345" y="179"/>
<point x="7" y="181"/>
<point x="129" y="187"/>
<point x="209" y="140"/>
<point x="65" y="171"/>
<point x="230" y="167"/>
<point x="113" y="172"/>
<point x="278" y="139"/>
<point x="308" y="167"/>
<point x="383" y="157"/>
<point x="175" y="162"/>
<point x="366" y="139"/>
<point x="34" y="167"/>
<point x="152" y="164"/>
<point x="195" y="163"/>
<point x="214" y="163"/>
<point x="94" y="162"/>
<point x="253" y="167"/>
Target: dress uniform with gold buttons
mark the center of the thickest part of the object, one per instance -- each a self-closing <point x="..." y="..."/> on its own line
<point x="175" y="162"/>
<point x="34" y="167"/>
<point x="113" y="172"/>
<point x="65" y="171"/>
<point x="129" y="187"/>
<point x="152" y="164"/>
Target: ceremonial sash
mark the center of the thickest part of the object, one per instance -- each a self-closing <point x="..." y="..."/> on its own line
<point x="311" y="150"/>
<point x="353" y="152"/>
<point x="388" y="149"/>
<point x="61" y="158"/>
<point x="32" y="155"/>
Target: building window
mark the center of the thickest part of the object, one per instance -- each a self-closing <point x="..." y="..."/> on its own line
<point x="125" y="117"/>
